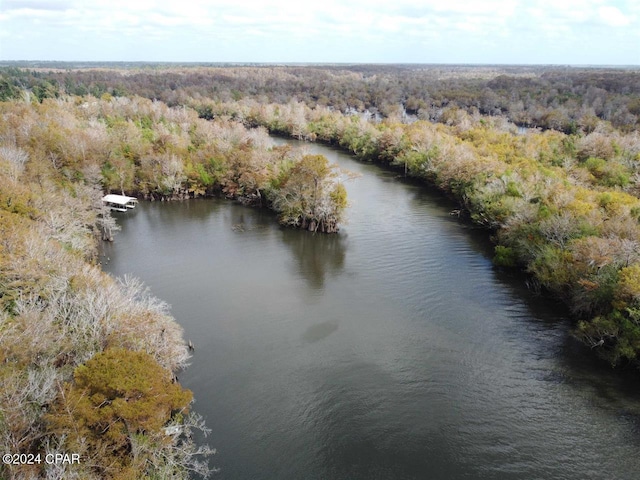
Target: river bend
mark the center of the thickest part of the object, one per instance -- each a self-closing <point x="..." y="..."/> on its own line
<point x="393" y="350"/>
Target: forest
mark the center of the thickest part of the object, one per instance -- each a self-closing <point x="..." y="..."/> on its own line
<point x="546" y="159"/>
<point x="568" y="99"/>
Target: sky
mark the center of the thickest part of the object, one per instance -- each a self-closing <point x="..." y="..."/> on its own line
<point x="566" y="32"/>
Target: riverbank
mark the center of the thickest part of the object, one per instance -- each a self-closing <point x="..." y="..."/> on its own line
<point x="71" y="336"/>
<point x="389" y="348"/>
<point x="61" y="319"/>
<point x="561" y="207"/>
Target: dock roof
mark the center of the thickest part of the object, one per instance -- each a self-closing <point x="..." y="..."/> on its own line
<point x="118" y="199"/>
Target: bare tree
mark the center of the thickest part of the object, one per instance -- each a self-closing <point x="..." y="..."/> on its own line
<point x="16" y="159"/>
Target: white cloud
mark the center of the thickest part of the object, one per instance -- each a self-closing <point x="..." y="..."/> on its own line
<point x="472" y="31"/>
<point x="613" y="17"/>
<point x="35" y="4"/>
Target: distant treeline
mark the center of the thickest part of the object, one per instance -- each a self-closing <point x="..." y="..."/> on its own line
<point x="568" y="99"/>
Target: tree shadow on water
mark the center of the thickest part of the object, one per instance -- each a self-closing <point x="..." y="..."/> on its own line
<point x="316" y="255"/>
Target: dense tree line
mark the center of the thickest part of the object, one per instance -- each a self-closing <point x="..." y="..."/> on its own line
<point x="143" y="147"/>
<point x="568" y="99"/>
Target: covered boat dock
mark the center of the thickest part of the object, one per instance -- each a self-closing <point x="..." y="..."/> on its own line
<point x="120" y="203"/>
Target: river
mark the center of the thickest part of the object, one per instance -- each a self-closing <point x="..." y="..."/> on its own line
<point x="392" y="350"/>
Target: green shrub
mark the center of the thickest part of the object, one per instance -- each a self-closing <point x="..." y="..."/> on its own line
<point x="505" y="257"/>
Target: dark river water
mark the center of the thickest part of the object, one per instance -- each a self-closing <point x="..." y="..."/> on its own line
<point x="393" y="350"/>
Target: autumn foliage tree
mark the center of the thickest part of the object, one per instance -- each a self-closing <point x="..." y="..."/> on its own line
<point x="116" y="397"/>
<point x="309" y="195"/>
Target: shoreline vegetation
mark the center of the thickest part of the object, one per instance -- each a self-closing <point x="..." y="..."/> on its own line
<point x="87" y="362"/>
<point x="559" y="199"/>
<point x="564" y="208"/>
<point x="61" y="317"/>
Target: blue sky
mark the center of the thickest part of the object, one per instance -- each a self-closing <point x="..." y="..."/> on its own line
<point x="366" y="31"/>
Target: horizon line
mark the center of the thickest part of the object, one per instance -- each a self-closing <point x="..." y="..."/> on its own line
<point x="327" y="63"/>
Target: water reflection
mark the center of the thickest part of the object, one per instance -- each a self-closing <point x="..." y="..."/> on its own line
<point x="174" y="214"/>
<point x="242" y="219"/>
<point x="316" y="256"/>
<point x="319" y="331"/>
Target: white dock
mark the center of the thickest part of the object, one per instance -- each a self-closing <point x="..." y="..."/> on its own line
<point x="119" y="203"/>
